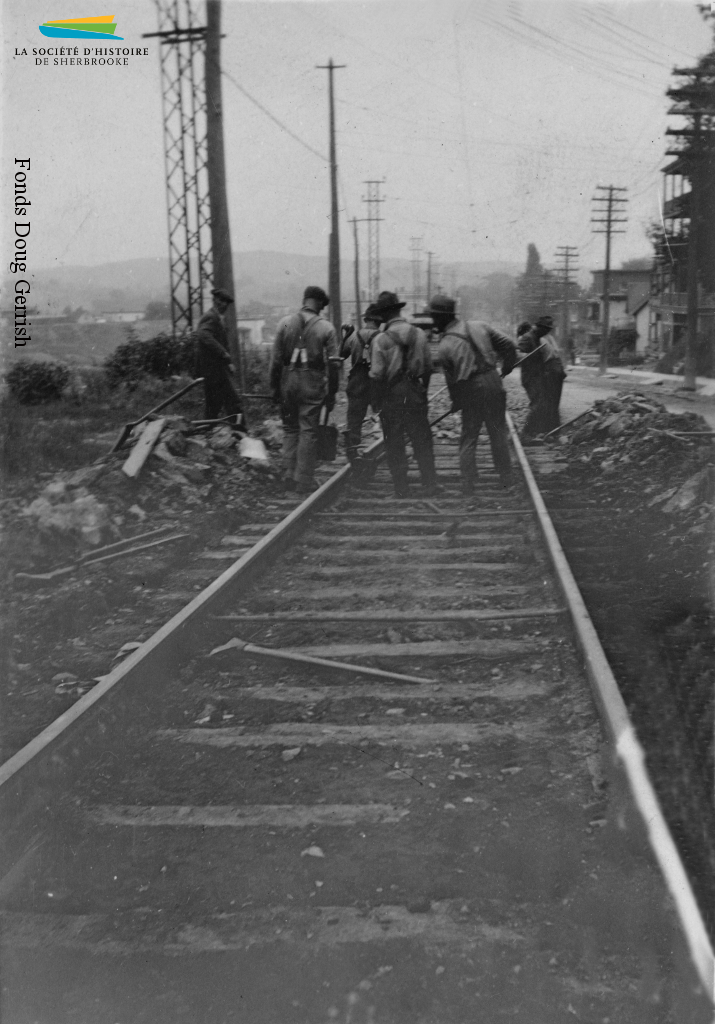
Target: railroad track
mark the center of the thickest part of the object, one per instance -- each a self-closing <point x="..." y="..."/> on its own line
<point x="230" y="836"/>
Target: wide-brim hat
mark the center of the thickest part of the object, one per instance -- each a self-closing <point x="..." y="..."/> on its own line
<point x="441" y="305"/>
<point x="387" y="301"/>
<point x="371" y="313"/>
<point x="221" y="293"/>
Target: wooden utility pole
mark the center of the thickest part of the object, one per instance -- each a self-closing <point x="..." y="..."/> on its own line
<point x="358" y="310"/>
<point x="565" y="254"/>
<point x="429" y="275"/>
<point x="612" y="208"/>
<point x="216" y="165"/>
<point x="334" y="251"/>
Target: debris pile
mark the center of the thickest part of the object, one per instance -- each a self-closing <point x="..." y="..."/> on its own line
<point x="634" y="441"/>
<point x="164" y="467"/>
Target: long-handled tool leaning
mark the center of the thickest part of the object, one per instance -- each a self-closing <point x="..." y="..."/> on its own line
<point x="128" y="427"/>
<point x="243" y="647"/>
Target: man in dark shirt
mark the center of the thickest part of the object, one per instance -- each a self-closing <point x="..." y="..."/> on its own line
<point x="469" y="352"/>
<point x="542" y="376"/>
<point x="305" y="373"/>
<point x="358" y="347"/>
<point x="213" y="360"/>
<point x="400" y="372"/>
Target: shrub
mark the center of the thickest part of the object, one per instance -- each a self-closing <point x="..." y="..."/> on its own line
<point x="160" y="357"/>
<point x="31" y="383"/>
<point x="256" y="366"/>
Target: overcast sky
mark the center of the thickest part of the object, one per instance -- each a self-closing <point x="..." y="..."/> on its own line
<point x="492" y="121"/>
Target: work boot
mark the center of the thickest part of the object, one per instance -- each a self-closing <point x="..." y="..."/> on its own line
<point x="468" y="488"/>
<point x="506" y="480"/>
<point x="432" y="490"/>
<point x="307" y="488"/>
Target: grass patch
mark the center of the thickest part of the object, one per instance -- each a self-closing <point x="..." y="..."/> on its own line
<point x="48" y="438"/>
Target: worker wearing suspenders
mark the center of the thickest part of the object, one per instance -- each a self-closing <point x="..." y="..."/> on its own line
<point x="305" y="373"/>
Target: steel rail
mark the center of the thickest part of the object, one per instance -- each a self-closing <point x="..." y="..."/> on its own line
<point x="30" y="777"/>
<point x="622" y="734"/>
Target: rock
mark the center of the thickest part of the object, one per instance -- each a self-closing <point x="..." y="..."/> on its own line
<point x="63" y="677"/>
<point x="312" y="851"/>
<point x="222" y="438"/>
<point x="290" y="754"/>
<point x="696" y="488"/>
<point x="196" y="473"/>
<point x="176" y="443"/>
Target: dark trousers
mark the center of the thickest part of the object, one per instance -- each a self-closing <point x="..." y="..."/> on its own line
<point x="303" y="392"/>
<point x="544" y="393"/>
<point x="219" y="393"/>
<point x="358" y="395"/>
<point x="404" y="415"/>
<point x="482" y="400"/>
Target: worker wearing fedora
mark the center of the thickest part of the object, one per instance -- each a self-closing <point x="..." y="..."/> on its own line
<point x="542" y="377"/>
<point x="213" y="360"/>
<point x="400" y="374"/>
<point x="469" y="352"/>
<point x="305" y="373"/>
<point x="358" y="347"/>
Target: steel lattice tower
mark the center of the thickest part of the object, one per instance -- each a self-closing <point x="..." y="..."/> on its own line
<point x="373" y="237"/>
<point x="182" y="52"/>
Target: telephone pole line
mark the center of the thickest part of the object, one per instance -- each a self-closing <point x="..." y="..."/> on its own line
<point x="334" y="251"/>
<point x="429" y="275"/>
<point x="216" y="166"/>
<point x="614" y="205"/>
<point x="416" y="250"/>
<point x="373" y="218"/>
<point x="358" y="308"/>
<point x="565" y="254"/>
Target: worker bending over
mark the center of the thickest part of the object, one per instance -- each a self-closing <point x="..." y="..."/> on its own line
<point x="542" y="377"/>
<point x="358" y="346"/>
<point x="469" y="352"/>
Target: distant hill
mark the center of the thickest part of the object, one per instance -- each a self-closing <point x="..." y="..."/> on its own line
<point x="274" y="278"/>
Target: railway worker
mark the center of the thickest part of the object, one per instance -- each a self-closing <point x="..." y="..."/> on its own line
<point x="469" y="352"/>
<point x="213" y="359"/>
<point x="358" y="346"/>
<point x="542" y="376"/>
<point x="400" y="373"/>
<point x="305" y="373"/>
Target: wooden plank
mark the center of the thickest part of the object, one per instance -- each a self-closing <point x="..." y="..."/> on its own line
<point x="142" y="449"/>
<point x="246" y="815"/>
<point x="424" y="649"/>
<point x="393" y="615"/>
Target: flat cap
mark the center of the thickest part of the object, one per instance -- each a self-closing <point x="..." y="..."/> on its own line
<point x="317" y="294"/>
<point x="221" y="293"/>
<point x="442" y="305"/>
<point x="545" y="321"/>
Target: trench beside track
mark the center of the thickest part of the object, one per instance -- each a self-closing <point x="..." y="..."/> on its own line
<point x="231" y="837"/>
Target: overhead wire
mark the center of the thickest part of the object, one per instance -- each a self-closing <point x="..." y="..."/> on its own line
<point x="267" y="112"/>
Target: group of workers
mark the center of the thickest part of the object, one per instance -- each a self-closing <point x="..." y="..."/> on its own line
<point x="390" y="370"/>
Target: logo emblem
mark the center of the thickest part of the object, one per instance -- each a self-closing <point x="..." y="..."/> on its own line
<point x="102" y="27"/>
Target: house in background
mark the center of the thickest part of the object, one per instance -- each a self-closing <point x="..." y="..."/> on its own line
<point x="251" y="330"/>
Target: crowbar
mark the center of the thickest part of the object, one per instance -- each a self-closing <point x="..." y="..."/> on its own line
<point x="269" y="652"/>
